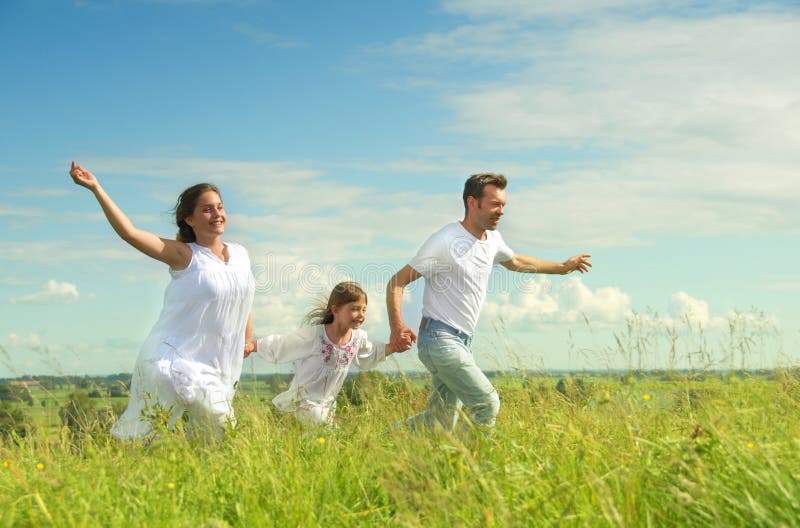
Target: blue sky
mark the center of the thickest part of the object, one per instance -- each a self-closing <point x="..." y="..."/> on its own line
<point x="663" y="140"/>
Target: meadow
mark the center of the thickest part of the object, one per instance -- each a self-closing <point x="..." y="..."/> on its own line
<point x="664" y="449"/>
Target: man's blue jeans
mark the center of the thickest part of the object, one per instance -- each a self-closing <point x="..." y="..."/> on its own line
<point x="457" y="380"/>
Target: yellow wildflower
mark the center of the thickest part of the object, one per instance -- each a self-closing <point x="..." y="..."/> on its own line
<point x="171" y="485"/>
<point x="646" y="397"/>
<point x="40" y="466"/>
<point x="6" y="463"/>
<point x="750" y="445"/>
<point x="321" y="439"/>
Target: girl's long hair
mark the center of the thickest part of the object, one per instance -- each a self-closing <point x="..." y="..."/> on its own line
<point x="184" y="207"/>
<point x="342" y="293"/>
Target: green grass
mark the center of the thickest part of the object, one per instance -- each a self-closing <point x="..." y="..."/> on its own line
<point x="47" y="402"/>
<point x="637" y="452"/>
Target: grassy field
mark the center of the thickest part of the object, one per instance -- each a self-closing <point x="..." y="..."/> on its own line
<point x="650" y="451"/>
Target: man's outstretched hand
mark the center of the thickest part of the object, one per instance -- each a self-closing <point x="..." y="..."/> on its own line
<point x="578" y="262"/>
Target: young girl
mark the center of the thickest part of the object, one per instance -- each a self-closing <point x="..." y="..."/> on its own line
<point x="192" y="358"/>
<point x="326" y="349"/>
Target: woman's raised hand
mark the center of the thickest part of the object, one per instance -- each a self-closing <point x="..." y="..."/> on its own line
<point x="83" y="177"/>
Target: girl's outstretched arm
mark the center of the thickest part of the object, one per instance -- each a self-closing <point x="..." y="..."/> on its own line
<point x="278" y="348"/>
<point x="369" y="354"/>
<point x="171" y="252"/>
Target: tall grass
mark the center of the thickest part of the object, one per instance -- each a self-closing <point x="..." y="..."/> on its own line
<point x="647" y="452"/>
<point x="678" y="448"/>
<point x="742" y="340"/>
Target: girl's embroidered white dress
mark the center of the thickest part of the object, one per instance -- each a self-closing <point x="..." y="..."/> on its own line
<point x="324" y="365"/>
<point x="192" y="359"/>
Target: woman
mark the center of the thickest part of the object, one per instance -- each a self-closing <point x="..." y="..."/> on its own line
<point x="193" y="357"/>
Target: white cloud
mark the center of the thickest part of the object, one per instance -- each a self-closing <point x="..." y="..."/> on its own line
<point x="6" y="210"/>
<point x="33" y="354"/>
<point x="524" y="9"/>
<point x="52" y="292"/>
<point x="30" y="340"/>
<point x="579" y="209"/>
<point x="278" y="314"/>
<point x="42" y="252"/>
<point x="54" y="192"/>
<point x="260" y="36"/>
<point x="687" y="313"/>
<point x="684" y="308"/>
<point x="310" y="216"/>
<point x="675" y="124"/>
<point x="784" y="286"/>
<point x="288" y="288"/>
<point x="274" y="184"/>
<point x="14" y="281"/>
<point x="22" y="218"/>
<point x="96" y="5"/>
<point x="645" y="82"/>
<point x="538" y="302"/>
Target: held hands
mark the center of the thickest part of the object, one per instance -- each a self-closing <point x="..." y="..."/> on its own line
<point x="578" y="262"/>
<point x="250" y="346"/>
<point x="401" y="344"/>
<point x="83" y="177"/>
<point x="402" y="338"/>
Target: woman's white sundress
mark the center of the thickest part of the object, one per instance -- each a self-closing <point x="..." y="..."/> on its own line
<point x="192" y="359"/>
<point x="322" y="371"/>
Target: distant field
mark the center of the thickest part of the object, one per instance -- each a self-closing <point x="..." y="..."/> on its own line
<point x="672" y="450"/>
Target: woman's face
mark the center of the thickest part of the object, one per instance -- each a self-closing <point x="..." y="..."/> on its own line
<point x="208" y="218"/>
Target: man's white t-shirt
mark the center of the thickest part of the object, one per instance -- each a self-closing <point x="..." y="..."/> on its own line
<point x="456" y="267"/>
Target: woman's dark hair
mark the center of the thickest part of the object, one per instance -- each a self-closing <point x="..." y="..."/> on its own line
<point x="343" y="293"/>
<point x="184" y="207"/>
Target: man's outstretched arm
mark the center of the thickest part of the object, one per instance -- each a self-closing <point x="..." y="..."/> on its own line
<point x="525" y="264"/>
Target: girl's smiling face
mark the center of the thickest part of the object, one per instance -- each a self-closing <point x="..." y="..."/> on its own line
<point x="351" y="315"/>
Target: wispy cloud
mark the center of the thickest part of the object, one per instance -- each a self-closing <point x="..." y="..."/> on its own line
<point x="30" y="340"/>
<point x="544" y="303"/>
<point x="97" y="5"/>
<point x="307" y="214"/>
<point x="569" y="302"/>
<point x="14" y="281"/>
<point x="40" y="192"/>
<point x="785" y="286"/>
<point x="283" y="177"/>
<point x="37" y="252"/>
<point x="267" y="38"/>
<point x="685" y="124"/>
<point x="40" y="213"/>
<point x="200" y="2"/>
<point x="572" y="11"/>
<point x="52" y="292"/>
<point x="33" y="212"/>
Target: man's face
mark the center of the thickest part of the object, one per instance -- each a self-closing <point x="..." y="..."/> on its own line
<point x="490" y="207"/>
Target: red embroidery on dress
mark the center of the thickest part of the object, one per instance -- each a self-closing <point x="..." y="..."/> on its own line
<point x="342" y="356"/>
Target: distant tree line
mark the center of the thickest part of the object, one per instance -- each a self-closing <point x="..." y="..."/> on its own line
<point x="20" y="389"/>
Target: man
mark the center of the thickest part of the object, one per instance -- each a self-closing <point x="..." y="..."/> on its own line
<point x="456" y="262"/>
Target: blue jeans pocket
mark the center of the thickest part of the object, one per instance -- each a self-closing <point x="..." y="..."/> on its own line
<point x="442" y="350"/>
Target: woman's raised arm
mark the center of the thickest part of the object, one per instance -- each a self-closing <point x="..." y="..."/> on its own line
<point x="171" y="252"/>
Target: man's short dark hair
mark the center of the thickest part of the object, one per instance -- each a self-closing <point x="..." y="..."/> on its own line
<point x="475" y="184"/>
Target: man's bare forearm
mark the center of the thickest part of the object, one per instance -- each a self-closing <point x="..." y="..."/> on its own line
<point x="526" y="264"/>
<point x="394" y="304"/>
